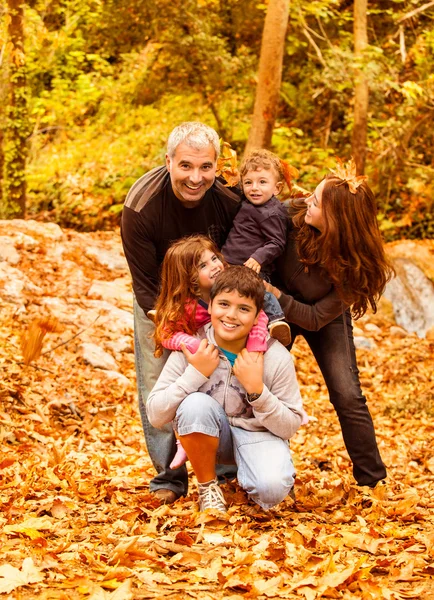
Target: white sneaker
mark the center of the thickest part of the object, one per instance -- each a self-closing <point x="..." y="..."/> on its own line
<point x="211" y="496"/>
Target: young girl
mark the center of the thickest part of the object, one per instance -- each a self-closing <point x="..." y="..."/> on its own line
<point x="188" y="273"/>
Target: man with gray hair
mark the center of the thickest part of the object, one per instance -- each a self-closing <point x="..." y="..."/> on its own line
<point x="167" y="203"/>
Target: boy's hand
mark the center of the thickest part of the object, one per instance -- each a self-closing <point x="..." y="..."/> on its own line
<point x="205" y="359"/>
<point x="253" y="264"/>
<point x="274" y="290"/>
<point x="249" y="370"/>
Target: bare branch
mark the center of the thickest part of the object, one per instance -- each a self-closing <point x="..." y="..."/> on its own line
<point x="323" y="31"/>
<point x="2" y="51"/>
<point x="315" y="46"/>
<point x="71" y="338"/>
<point x="402" y="44"/>
<point x="416" y="11"/>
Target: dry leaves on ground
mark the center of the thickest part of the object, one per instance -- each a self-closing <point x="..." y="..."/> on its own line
<point x="77" y="519"/>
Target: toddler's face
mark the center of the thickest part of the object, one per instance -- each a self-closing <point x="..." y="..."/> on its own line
<point x="209" y="267"/>
<point x="260" y="185"/>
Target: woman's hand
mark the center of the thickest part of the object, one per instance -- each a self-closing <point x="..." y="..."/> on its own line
<point x="274" y="290"/>
<point x="205" y="359"/>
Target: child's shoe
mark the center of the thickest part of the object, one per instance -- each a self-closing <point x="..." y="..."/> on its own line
<point x="211" y="496"/>
<point x="180" y="457"/>
<point x="279" y="330"/>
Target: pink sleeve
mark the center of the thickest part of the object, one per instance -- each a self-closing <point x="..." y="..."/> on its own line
<point x="202" y="316"/>
<point x="257" y="340"/>
<point x="178" y="338"/>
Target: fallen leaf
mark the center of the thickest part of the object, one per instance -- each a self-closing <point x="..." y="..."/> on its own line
<point x="12" y="578"/>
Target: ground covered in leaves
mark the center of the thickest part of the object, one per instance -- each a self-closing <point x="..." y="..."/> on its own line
<point x="76" y="516"/>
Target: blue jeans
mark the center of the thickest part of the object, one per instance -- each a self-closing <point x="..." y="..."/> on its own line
<point x="333" y="348"/>
<point x="272" y="308"/>
<point x="161" y="443"/>
<point x="265" y="468"/>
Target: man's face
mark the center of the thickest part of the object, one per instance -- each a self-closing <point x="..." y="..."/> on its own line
<point x="192" y="173"/>
<point x="232" y="317"/>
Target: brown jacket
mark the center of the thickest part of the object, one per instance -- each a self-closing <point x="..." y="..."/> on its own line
<point x="309" y="299"/>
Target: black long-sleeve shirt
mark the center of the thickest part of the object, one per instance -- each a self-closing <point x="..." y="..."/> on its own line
<point x="153" y="218"/>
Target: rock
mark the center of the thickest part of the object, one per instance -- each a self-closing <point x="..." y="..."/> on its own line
<point x="357" y="331"/>
<point x="118" y="290"/>
<point x="417" y="251"/>
<point x="50" y="231"/>
<point x="118" y="377"/>
<point x="372" y="328"/>
<point x="8" y="252"/>
<point x="112" y="259"/>
<point x="430" y="334"/>
<point x="397" y="332"/>
<point x="363" y="342"/>
<point x="13" y="283"/>
<point x="95" y="356"/>
<point x="121" y="345"/>
<point x="20" y="240"/>
<point x="84" y="312"/>
<point x="412" y="295"/>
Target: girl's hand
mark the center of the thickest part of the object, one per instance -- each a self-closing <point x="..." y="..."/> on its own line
<point x="249" y="370"/>
<point x="205" y="359"/>
<point x="274" y="290"/>
<point x="253" y="264"/>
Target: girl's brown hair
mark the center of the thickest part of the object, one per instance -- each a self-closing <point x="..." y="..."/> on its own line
<point x="179" y="286"/>
<point x="350" y="247"/>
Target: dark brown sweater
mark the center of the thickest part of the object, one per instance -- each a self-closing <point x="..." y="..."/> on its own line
<point x="309" y="298"/>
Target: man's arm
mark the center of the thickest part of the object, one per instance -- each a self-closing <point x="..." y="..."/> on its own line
<point x="141" y="257"/>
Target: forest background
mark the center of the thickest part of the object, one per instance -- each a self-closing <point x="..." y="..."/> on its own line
<point x="105" y="82"/>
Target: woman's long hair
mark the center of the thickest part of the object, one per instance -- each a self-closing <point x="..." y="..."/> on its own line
<point x="350" y="247"/>
<point x="179" y="287"/>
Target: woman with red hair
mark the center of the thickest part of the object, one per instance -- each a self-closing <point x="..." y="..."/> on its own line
<point x="334" y="267"/>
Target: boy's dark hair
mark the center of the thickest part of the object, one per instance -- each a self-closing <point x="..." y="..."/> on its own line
<point x="242" y="280"/>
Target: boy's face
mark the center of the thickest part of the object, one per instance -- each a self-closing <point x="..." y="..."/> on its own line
<point x="260" y="185"/>
<point x="232" y="317"/>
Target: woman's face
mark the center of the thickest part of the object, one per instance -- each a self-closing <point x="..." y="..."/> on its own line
<point x="314" y="214"/>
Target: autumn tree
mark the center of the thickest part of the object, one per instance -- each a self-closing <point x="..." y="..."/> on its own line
<point x="361" y="88"/>
<point x="269" y="74"/>
<point x="17" y="127"/>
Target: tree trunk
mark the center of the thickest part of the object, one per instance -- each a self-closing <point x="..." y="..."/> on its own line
<point x="361" y="89"/>
<point x="269" y="75"/>
<point x="16" y="146"/>
<point x="2" y="162"/>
